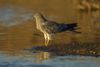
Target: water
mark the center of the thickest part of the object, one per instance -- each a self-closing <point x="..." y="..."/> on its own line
<point x="10" y="16"/>
<point x="44" y="59"/>
<point x="18" y="32"/>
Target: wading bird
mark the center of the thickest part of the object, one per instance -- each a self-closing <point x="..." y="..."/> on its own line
<point x="88" y="6"/>
<point x="50" y="27"/>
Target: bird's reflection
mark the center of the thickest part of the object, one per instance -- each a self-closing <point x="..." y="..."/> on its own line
<point x="42" y="56"/>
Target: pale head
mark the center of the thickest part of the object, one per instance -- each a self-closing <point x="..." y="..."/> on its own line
<point x="39" y="16"/>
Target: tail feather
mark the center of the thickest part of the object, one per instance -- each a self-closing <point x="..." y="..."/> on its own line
<point x="71" y="26"/>
<point x="67" y="27"/>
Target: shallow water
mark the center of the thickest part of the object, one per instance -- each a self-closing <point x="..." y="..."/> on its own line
<point x="18" y="32"/>
<point x="44" y="59"/>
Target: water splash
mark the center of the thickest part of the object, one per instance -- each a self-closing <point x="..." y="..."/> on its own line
<point x="10" y="16"/>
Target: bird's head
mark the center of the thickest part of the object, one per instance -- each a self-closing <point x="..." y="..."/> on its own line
<point x="39" y="16"/>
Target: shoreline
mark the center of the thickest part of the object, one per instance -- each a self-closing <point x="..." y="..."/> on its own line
<point x="70" y="49"/>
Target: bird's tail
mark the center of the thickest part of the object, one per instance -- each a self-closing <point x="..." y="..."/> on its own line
<point x="72" y="27"/>
<point x="69" y="27"/>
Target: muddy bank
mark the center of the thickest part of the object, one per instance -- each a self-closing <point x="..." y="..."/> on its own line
<point x="86" y="49"/>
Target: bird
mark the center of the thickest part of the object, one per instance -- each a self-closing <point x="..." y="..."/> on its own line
<point x="84" y="5"/>
<point x="49" y="28"/>
<point x="88" y="6"/>
<point x="95" y="6"/>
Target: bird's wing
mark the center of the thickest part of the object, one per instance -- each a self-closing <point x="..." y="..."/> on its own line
<point x="51" y="26"/>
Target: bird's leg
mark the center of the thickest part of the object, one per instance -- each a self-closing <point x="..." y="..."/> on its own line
<point x="45" y="36"/>
<point x="48" y="38"/>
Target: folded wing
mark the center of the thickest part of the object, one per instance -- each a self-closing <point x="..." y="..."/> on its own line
<point x="53" y="27"/>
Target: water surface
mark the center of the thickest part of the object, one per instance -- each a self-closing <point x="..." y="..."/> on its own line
<point x="18" y="32"/>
